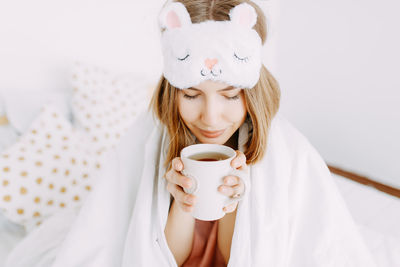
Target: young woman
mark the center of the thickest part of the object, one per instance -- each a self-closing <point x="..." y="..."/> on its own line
<point x="212" y="112"/>
<point x="214" y="89"/>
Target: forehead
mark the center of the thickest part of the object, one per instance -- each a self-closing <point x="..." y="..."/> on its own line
<point x="209" y="85"/>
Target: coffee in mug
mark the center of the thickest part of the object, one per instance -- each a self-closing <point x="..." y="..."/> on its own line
<point x="209" y="156"/>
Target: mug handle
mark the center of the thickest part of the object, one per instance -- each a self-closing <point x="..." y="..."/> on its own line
<point x="245" y="177"/>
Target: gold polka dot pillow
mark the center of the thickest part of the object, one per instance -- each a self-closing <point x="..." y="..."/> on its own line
<point x="51" y="167"/>
<point x="105" y="104"/>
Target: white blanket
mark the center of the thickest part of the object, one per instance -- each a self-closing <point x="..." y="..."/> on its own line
<point x="293" y="216"/>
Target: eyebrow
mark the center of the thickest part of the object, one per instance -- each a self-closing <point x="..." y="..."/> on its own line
<point x="222" y="90"/>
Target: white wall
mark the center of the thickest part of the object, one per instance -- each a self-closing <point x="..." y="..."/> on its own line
<point x="336" y="62"/>
<point x="39" y="39"/>
<point x="338" y="66"/>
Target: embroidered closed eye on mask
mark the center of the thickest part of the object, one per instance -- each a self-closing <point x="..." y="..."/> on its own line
<point x="225" y="51"/>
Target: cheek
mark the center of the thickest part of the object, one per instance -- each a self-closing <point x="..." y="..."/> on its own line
<point x="236" y="112"/>
<point x="187" y="111"/>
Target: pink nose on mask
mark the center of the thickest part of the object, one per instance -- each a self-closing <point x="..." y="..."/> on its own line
<point x="210" y="62"/>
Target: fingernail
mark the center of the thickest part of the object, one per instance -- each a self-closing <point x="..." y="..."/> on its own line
<point x="188" y="183"/>
<point x="190" y="200"/>
<point x="229" y="181"/>
<point x="178" y="166"/>
<point x="236" y="164"/>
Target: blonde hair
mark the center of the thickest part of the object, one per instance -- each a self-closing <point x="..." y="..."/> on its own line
<point x="262" y="101"/>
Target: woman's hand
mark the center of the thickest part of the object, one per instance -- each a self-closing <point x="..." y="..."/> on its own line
<point x="233" y="186"/>
<point x="176" y="183"/>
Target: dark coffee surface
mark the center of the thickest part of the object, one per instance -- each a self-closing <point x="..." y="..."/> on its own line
<point x="209" y="156"/>
<point x="207" y="159"/>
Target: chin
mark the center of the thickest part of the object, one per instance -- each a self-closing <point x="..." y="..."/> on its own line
<point x="217" y="141"/>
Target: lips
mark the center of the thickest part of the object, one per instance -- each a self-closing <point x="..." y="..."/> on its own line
<point x="209" y="134"/>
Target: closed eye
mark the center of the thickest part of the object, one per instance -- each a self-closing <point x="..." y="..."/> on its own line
<point x="181" y="59"/>
<point x="245" y="59"/>
<point x="233" y="97"/>
<point x="190" y="96"/>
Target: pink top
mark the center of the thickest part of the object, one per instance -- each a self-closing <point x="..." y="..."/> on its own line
<point x="205" y="251"/>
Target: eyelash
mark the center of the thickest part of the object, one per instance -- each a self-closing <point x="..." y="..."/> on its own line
<point x="241" y="59"/>
<point x="182" y="59"/>
<point x="236" y="97"/>
<point x="189" y="96"/>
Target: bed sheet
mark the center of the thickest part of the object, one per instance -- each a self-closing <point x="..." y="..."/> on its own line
<point x="385" y="248"/>
<point x="10" y="235"/>
<point x="39" y="246"/>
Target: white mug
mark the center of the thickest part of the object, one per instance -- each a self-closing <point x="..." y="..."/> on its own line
<point x="207" y="174"/>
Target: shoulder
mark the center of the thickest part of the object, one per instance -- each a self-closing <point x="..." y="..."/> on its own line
<point x="285" y="136"/>
<point x="289" y="153"/>
<point x="287" y="132"/>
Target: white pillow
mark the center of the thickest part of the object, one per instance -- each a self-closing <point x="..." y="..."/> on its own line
<point x="54" y="164"/>
<point x="19" y="109"/>
<point x="51" y="167"/>
<point x="22" y="107"/>
<point x="105" y="104"/>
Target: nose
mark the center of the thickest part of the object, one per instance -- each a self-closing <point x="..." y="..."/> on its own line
<point x="211" y="114"/>
<point x="210" y="62"/>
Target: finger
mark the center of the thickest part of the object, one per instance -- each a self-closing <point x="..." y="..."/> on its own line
<point x="230" y="191"/>
<point x="231" y="180"/>
<point x="226" y="190"/>
<point x="180" y="196"/>
<point x="239" y="189"/>
<point x="186" y="208"/>
<point x="177" y="164"/>
<point x="177" y="178"/>
<point x="230" y="208"/>
<point x="239" y="161"/>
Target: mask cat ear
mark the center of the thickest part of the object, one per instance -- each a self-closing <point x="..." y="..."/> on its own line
<point x="243" y="14"/>
<point x="174" y="15"/>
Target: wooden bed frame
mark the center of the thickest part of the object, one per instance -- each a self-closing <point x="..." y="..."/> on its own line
<point x="366" y="181"/>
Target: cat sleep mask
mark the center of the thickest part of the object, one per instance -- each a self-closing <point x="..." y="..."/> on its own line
<point x="225" y="51"/>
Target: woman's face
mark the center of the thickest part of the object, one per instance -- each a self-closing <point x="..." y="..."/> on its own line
<point x="213" y="111"/>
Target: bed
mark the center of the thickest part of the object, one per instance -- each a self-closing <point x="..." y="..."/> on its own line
<point x="375" y="213"/>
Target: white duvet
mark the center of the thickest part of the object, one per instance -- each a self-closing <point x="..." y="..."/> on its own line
<point x="293" y="215"/>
